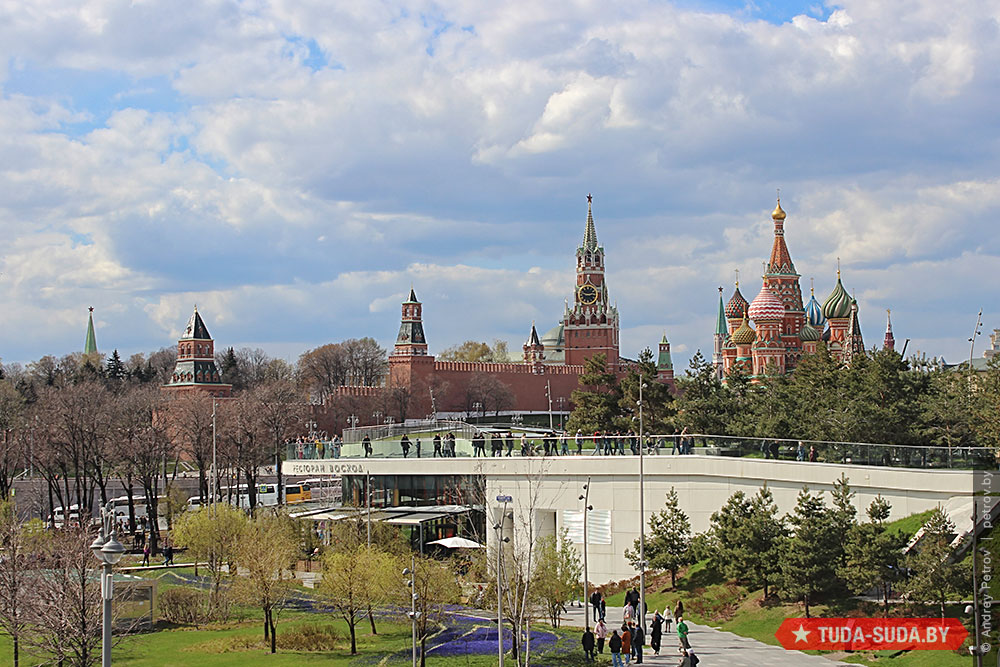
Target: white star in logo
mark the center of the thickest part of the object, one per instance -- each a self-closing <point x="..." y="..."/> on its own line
<point x="801" y="634"/>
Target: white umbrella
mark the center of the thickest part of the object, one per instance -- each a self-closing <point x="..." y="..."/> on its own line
<point x="458" y="543"/>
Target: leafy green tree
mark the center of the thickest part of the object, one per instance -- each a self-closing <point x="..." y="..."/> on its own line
<point x="873" y="554"/>
<point x="558" y="573"/>
<point x="668" y="546"/>
<point x="357" y="579"/>
<point x="213" y="535"/>
<point x="472" y="350"/>
<point x="747" y="538"/>
<point x="810" y="550"/>
<point x="946" y="410"/>
<point x="986" y="405"/>
<point x="436" y="587"/>
<point x="934" y="573"/>
<point x="597" y="399"/>
<point x="266" y="554"/>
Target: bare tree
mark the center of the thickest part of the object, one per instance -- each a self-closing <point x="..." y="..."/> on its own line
<point x="323" y="369"/>
<point x="190" y="418"/>
<point x="21" y="548"/>
<point x="65" y="614"/>
<point x="280" y="410"/>
<point x="12" y="413"/>
<point x="367" y="362"/>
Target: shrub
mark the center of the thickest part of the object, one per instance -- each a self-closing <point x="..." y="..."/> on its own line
<point x="309" y="637"/>
<point x="183" y="605"/>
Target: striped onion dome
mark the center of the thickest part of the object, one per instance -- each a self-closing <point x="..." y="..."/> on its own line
<point x="766" y="306"/>
<point x="809" y="333"/>
<point x="744" y="334"/>
<point x="814" y="313"/>
<point x="838" y="304"/>
<point x="737" y="305"/>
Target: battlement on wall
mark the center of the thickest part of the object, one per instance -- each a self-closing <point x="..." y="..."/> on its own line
<point x="345" y="390"/>
<point x="489" y="367"/>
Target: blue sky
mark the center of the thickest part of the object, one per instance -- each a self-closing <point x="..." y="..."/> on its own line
<point x="293" y="167"/>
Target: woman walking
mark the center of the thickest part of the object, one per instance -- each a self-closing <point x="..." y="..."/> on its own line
<point x="601" y="632"/>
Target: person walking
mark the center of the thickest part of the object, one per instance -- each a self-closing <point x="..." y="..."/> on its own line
<point x="404" y="444"/>
<point x="682" y="633"/>
<point x="578" y="441"/>
<point x="597" y="444"/>
<point x="679" y="610"/>
<point x="145" y="554"/>
<point x="588" y="645"/>
<point x="595" y="601"/>
<point x="437" y="445"/>
<point x="615" y="646"/>
<point x="510" y="443"/>
<point x="688" y="658"/>
<point x="416" y="444"/>
<point x="366" y="442"/>
<point x="668" y="619"/>
<point x="813" y="454"/>
<point x="168" y="555"/>
<point x="626" y="645"/>
<point x="655" y="633"/>
<point x="564" y="447"/>
<point x="601" y="631"/>
<point x="604" y="608"/>
<point x="638" y="640"/>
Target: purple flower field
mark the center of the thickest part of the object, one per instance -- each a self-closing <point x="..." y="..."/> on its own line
<point x="460" y="640"/>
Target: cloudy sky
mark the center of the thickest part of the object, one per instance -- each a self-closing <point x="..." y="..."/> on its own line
<point x="293" y="167"/>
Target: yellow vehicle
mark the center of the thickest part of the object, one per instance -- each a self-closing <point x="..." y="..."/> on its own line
<point x="297" y="493"/>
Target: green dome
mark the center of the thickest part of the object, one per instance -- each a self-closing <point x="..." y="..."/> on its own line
<point x="838" y="304"/>
<point x="808" y="332"/>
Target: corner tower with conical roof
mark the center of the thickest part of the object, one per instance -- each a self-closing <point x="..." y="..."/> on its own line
<point x="889" y="342"/>
<point x="409" y="364"/>
<point x="534" y="351"/>
<point x="590" y="325"/>
<point x="664" y="364"/>
<point x="195" y="369"/>
<point x="781" y="278"/>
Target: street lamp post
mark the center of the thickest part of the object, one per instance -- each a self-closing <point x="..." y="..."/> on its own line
<point x="368" y="501"/>
<point x="501" y="540"/>
<point x="642" y="519"/>
<point x="476" y="407"/>
<point x="109" y="551"/>
<point x="561" y="402"/>
<point x="548" y="395"/>
<point x="586" y="519"/>
<point x="412" y="585"/>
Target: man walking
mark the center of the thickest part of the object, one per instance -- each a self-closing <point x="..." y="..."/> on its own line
<point x="588" y="645"/>
<point x="638" y="639"/>
<point x="682" y="633"/>
<point x="437" y="445"/>
<point x="615" y="646"/>
<point x="366" y="442"/>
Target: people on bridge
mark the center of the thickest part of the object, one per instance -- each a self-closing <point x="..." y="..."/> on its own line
<point x="366" y="442"/>
<point x="437" y="445"/>
<point x="416" y="443"/>
<point x="404" y="444"/>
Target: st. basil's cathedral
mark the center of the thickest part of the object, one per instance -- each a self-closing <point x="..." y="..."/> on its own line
<point x="769" y="335"/>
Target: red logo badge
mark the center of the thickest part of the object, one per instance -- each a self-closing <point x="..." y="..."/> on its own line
<point x="871" y="634"/>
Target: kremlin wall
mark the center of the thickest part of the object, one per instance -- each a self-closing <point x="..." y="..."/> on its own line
<point x="766" y="336"/>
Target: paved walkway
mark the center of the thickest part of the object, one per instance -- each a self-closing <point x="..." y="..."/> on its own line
<point x="716" y="648"/>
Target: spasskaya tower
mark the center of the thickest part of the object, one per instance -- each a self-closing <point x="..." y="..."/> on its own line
<point x="590" y="326"/>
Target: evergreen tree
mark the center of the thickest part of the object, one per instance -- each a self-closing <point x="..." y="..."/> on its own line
<point x="229" y="369"/>
<point x="873" y="554"/>
<point x="746" y="539"/>
<point x="114" y="369"/>
<point x="597" y="399"/>
<point x="810" y="552"/>
<point x="843" y="515"/>
<point x="702" y="400"/>
<point x="934" y="574"/>
<point x="668" y="546"/>
<point x="658" y="403"/>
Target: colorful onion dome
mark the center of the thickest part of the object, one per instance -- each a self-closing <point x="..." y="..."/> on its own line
<point x="737" y="305"/>
<point x="838" y="304"/>
<point x="744" y="335"/>
<point x="778" y="213"/>
<point x="814" y="313"/>
<point x="809" y="333"/>
<point x="766" y="306"/>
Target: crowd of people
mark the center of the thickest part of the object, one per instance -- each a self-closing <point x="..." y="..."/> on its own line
<point x="626" y="644"/>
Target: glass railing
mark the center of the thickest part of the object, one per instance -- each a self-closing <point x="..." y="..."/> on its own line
<point x="801" y="451"/>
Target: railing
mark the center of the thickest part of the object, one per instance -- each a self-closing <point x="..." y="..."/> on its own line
<point x="382" y="431"/>
<point x="803" y="451"/>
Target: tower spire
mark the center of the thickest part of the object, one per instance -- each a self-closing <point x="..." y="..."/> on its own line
<point x="590" y="233"/>
<point x="889" y="343"/>
<point x="90" y="346"/>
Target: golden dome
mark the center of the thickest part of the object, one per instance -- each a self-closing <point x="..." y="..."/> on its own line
<point x="778" y="213"/>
